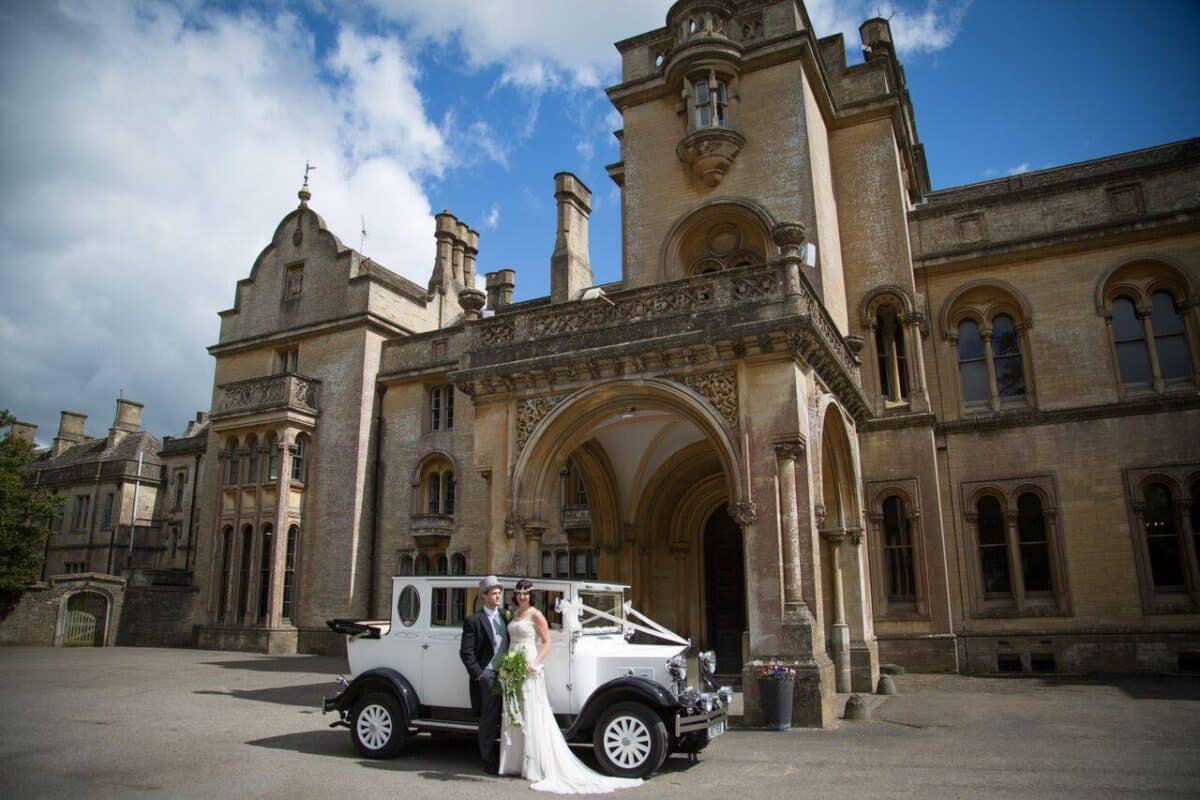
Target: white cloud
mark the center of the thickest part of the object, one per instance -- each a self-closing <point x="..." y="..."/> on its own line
<point x="147" y="159"/>
<point x="1019" y="168"/>
<point x="918" y="26"/>
<point x="491" y="220"/>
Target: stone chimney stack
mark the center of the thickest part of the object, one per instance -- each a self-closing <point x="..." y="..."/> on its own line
<point x="445" y="231"/>
<point x="25" y="431"/>
<point x="195" y="424"/>
<point x="570" y="270"/>
<point x="500" y="287"/>
<point x="128" y="420"/>
<point x="876" y="35"/>
<point x="70" y="431"/>
<point x="459" y="251"/>
<point x="470" y="254"/>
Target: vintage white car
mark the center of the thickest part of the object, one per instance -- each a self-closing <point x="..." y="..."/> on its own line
<point x="629" y="700"/>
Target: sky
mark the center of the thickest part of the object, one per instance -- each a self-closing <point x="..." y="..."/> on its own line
<point x="150" y="147"/>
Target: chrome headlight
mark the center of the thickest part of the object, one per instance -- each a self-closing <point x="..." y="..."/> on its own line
<point x="708" y="661"/>
<point x="726" y="695"/>
<point x="677" y="668"/>
<point x="707" y="703"/>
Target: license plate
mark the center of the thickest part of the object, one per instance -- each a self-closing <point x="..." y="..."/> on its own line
<point x="716" y="729"/>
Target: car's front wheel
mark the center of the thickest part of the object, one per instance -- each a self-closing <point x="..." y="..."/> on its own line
<point x="378" y="726"/>
<point x="630" y="740"/>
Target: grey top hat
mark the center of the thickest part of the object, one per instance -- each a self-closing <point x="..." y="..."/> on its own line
<point x="488" y="582"/>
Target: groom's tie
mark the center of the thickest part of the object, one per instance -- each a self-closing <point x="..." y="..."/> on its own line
<point x="497" y="640"/>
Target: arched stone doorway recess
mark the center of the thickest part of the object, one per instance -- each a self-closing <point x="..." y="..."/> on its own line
<point x="847" y="614"/>
<point x="85" y="621"/>
<point x="657" y="461"/>
<point x="724" y="592"/>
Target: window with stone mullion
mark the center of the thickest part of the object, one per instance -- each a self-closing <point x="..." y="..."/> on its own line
<point x="993" y="549"/>
<point x="1034" y="545"/>
<point x="1006" y="358"/>
<point x="1163" y="544"/>
<point x="898" y="552"/>
<point x="1129" y="339"/>
<point x="972" y="363"/>
<point x="1170" y="342"/>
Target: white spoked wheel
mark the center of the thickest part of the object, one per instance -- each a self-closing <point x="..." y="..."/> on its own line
<point x="378" y="726"/>
<point x="627" y="742"/>
<point x="374" y="726"/>
<point x="630" y="740"/>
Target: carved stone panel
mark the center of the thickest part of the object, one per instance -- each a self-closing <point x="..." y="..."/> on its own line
<point x="720" y="389"/>
<point x="530" y="412"/>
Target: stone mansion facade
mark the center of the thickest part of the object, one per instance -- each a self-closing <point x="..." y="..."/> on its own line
<point x="827" y="414"/>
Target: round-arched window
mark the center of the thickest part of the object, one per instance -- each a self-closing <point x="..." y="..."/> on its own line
<point x="408" y="607"/>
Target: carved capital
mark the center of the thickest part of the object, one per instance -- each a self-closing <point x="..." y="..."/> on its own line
<point x="834" y="536"/>
<point x="472" y="302"/>
<point x="855" y="535"/>
<point x="746" y="513"/>
<point x="855" y="343"/>
<point x="790" y="450"/>
<point x="819" y="514"/>
<point x="511" y="526"/>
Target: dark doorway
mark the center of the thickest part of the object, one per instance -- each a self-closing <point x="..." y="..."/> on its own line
<point x="724" y="590"/>
<point x="87" y="613"/>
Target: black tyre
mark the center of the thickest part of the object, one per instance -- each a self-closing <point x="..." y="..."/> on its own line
<point x="630" y="740"/>
<point x="378" y="725"/>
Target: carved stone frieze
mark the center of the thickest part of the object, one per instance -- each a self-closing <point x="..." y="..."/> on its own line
<point x="265" y="394"/>
<point x="720" y="389"/>
<point x="530" y="412"/>
<point x="746" y="513"/>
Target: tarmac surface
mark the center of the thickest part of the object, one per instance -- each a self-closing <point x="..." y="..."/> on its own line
<point x="138" y="722"/>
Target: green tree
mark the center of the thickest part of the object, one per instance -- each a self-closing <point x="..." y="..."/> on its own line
<point x="25" y="513"/>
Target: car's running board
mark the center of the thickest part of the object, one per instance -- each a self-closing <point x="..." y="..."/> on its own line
<point x="444" y="725"/>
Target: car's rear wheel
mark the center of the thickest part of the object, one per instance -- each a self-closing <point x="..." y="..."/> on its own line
<point x="378" y="726"/>
<point x="630" y="740"/>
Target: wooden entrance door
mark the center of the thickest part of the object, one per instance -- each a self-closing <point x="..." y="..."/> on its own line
<point x="84" y="626"/>
<point x="724" y="590"/>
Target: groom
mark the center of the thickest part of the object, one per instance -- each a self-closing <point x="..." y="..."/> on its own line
<point x="484" y="643"/>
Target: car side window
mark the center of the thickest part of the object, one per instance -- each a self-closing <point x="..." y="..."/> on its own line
<point x="408" y="606"/>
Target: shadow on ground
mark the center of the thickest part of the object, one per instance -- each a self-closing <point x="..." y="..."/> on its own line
<point x="308" y="695"/>
<point x="326" y="665"/>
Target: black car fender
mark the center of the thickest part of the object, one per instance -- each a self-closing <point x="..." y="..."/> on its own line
<point x="383" y="679"/>
<point x="618" y="690"/>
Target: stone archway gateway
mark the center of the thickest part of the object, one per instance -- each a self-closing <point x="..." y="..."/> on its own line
<point x="86" y="620"/>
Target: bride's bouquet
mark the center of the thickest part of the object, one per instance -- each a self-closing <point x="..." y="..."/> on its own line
<point x="511" y="673"/>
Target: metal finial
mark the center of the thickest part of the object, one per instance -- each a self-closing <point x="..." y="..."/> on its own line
<point x="307" y="169"/>
<point x="304" y="194"/>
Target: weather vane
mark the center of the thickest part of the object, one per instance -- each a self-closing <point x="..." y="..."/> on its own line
<point x="307" y="169"/>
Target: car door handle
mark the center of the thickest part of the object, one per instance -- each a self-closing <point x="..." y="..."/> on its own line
<point x="425" y="646"/>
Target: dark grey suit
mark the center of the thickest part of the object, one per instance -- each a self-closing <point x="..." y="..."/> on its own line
<point x="476" y="651"/>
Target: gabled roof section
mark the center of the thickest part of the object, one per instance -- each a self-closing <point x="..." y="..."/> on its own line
<point x="97" y="451"/>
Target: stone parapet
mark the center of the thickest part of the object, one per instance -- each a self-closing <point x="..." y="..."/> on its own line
<point x="271" y="393"/>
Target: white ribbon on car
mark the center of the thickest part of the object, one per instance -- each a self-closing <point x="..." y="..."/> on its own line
<point x="650" y="628"/>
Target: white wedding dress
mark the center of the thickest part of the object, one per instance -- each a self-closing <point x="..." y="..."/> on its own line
<point x="536" y="749"/>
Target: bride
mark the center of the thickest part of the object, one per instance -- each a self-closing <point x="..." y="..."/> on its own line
<point x="536" y="748"/>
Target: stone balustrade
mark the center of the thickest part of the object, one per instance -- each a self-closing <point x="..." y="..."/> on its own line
<point x="270" y="393"/>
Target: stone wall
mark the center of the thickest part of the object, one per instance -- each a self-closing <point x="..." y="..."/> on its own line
<point x="38" y="618"/>
<point x="158" y="616"/>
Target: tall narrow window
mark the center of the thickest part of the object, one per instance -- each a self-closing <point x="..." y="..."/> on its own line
<point x="272" y="458"/>
<point x="1162" y="539"/>
<point x="252" y="460"/>
<point x="448" y="393"/>
<point x="1006" y="357"/>
<point x="1174" y="362"/>
<point x="1194" y="514"/>
<point x="703" y="105"/>
<point x="993" y="547"/>
<point x="434" y="493"/>
<point x="720" y="105"/>
<point x="435" y="409"/>
<point x="264" y="574"/>
<point x="180" y="481"/>
<point x="561" y="564"/>
<point x="458" y="564"/>
<point x="1129" y="338"/>
<point x="298" y="458"/>
<point x="223" y="590"/>
<point x="443" y="565"/>
<point x="244" y="573"/>
<point x="547" y="564"/>
<point x="1035" y="544"/>
<point x="972" y="364"/>
<point x="889" y="349"/>
<point x="287" y="610"/>
<point x="448" y="488"/>
<point x="898" y="551"/>
<point x="107" y="520"/>
<point x="422" y="565"/>
<point x="232" y="477"/>
<point x="406" y="565"/>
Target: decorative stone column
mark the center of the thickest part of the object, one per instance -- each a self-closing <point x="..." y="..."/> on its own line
<point x="534" y="531"/>
<point x="786" y="454"/>
<point x="1013" y="538"/>
<point x="279" y="551"/>
<point x="1155" y="369"/>
<point x="788" y="237"/>
<point x="841" y="630"/>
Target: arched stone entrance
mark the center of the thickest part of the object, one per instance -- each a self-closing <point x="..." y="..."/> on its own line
<point x="85" y="623"/>
<point x="659" y="470"/>
<point x="724" y="592"/>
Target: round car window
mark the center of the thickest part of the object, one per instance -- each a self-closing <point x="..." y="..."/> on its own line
<point x="408" y="607"/>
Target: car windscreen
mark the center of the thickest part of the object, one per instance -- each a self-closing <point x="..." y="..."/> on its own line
<point x="609" y="603"/>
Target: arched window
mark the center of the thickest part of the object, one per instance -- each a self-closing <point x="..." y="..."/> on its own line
<point x="223" y="571"/>
<point x="298" y="459"/>
<point x="433" y="493"/>
<point x="244" y="573"/>
<point x="898" y="552"/>
<point x="993" y="548"/>
<point x="1129" y="339"/>
<point x="252" y="460"/>
<point x="287" y="610"/>
<point x="435" y="409"/>
<point x="458" y="597"/>
<point x="443" y="565"/>
<point x="890" y="355"/>
<point x="1170" y="342"/>
<point x="448" y="491"/>
<point x="1006" y="357"/>
<point x="232" y="477"/>
<point x="458" y="564"/>
<point x="264" y="574"/>
<point x="422" y="564"/>
<point x="1162" y="539"/>
<point x="1035" y="544"/>
<point x="180" y="482"/>
<point x="406" y="565"/>
<point x="272" y="458"/>
<point x="972" y="363"/>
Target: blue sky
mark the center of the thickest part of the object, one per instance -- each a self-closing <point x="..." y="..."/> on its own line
<point x="151" y="146"/>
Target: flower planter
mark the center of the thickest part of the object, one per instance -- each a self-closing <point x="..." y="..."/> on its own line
<point x="777" y="701"/>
